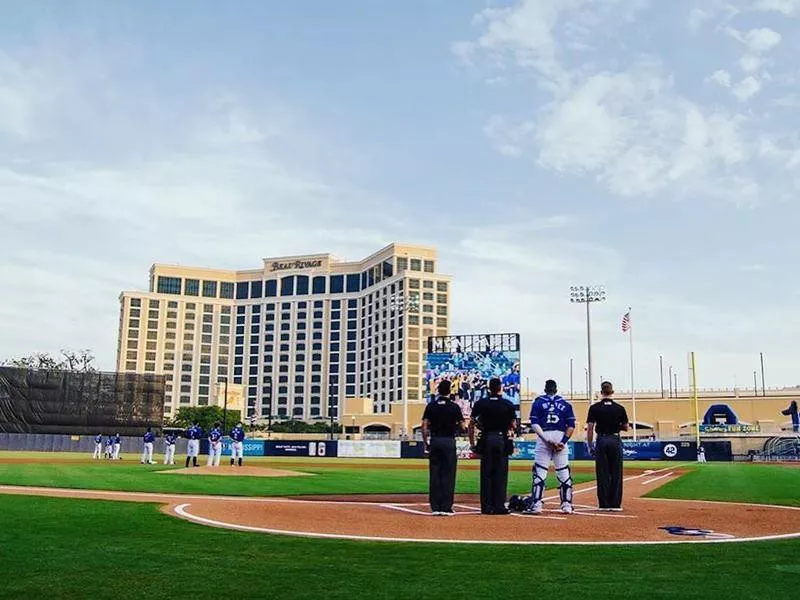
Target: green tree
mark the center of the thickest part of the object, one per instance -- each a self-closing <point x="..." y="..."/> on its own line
<point x="292" y="426"/>
<point x="205" y="416"/>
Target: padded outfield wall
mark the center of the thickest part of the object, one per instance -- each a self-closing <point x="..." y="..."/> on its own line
<point x="65" y="402"/>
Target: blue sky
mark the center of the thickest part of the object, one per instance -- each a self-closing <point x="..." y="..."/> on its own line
<point x="648" y="146"/>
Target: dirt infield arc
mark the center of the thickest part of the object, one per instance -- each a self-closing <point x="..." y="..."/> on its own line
<point x="405" y="518"/>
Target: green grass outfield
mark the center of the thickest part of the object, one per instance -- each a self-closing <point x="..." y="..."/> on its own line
<point x="65" y="548"/>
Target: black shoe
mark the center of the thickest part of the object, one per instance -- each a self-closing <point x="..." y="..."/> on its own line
<point x="502" y="511"/>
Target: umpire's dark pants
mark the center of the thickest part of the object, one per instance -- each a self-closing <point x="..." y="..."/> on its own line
<point x="442" y="471"/>
<point x="494" y="473"/>
<point x="608" y="469"/>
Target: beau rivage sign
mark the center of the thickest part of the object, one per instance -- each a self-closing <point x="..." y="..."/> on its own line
<point x="295" y="265"/>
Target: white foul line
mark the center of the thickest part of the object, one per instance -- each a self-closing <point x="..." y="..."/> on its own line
<point x="181" y="511"/>
<point x="648" y="481"/>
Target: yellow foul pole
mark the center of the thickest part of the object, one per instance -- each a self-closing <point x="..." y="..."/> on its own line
<point x="696" y="407"/>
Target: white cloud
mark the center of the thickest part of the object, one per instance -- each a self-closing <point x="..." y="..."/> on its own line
<point x="721" y="77"/>
<point x="697" y="18"/>
<point x="762" y="40"/>
<point x="789" y="8"/>
<point x="747" y="88"/>
<point x="750" y="63"/>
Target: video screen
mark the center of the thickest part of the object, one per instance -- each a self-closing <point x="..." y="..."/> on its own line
<point x="470" y="372"/>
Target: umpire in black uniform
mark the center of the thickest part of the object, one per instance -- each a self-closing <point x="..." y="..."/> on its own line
<point x="496" y="418"/>
<point x="441" y="422"/>
<point x="607" y="418"/>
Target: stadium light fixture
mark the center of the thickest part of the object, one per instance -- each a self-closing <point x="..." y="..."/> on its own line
<point x="587" y="294"/>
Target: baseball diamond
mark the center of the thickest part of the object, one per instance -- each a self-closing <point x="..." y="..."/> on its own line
<point x="405" y="517"/>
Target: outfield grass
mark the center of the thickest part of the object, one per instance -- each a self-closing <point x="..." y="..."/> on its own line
<point x="327" y="479"/>
<point x="62" y="548"/>
<point x="742" y="482"/>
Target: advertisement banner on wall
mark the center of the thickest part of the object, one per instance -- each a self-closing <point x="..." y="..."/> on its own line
<point x="369" y="449"/>
<point x="526" y="450"/>
<point x="300" y="448"/>
<point x="249" y="448"/>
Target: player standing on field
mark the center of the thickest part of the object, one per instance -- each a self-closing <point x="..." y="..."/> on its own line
<point x="553" y="420"/>
<point x="117" y="446"/>
<point x="193" y="434"/>
<point x="109" y="448"/>
<point x="607" y="418"/>
<point x="98" y="446"/>
<point x="237" y="443"/>
<point x="147" y="451"/>
<point x="214" y="445"/>
<point x="169" y="448"/>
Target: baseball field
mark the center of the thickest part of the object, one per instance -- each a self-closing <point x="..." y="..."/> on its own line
<point x="71" y="527"/>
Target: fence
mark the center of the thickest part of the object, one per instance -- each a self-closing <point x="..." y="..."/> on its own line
<point x="64" y="402"/>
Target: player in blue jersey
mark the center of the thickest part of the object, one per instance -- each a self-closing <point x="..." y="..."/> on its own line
<point x="553" y="420"/>
<point x="237" y="444"/>
<point x="117" y="446"/>
<point x="147" y="447"/>
<point x="169" y="448"/>
<point x="193" y="435"/>
<point x="98" y="446"/>
<point x="214" y="445"/>
<point x="109" y="448"/>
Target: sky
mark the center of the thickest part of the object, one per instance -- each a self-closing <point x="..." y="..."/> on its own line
<point x="650" y="147"/>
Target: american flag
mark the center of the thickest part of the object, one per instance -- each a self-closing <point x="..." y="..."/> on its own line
<point x="626" y="322"/>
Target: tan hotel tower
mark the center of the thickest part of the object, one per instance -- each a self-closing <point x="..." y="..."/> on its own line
<point x="298" y="334"/>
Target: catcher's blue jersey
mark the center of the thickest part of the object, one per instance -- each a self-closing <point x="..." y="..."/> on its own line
<point x="552" y="413"/>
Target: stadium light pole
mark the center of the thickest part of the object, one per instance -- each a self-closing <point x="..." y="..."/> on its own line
<point x="670" y="381"/>
<point x="763" y="385"/>
<point x="587" y="294"/>
<point x="400" y="303"/>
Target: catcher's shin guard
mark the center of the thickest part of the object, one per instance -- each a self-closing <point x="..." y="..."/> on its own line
<point x="564" y="476"/>
<point x="539" y="477"/>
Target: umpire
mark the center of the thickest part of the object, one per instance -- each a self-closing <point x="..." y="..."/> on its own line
<point x="607" y="418"/>
<point x="441" y="422"/>
<point x="496" y="418"/>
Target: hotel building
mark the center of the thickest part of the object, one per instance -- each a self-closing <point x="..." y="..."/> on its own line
<point x="299" y="335"/>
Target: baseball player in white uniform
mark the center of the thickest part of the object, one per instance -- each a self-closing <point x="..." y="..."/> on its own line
<point x="553" y="420"/>
<point x="147" y="448"/>
<point x="117" y="446"/>
<point x="169" y="448"/>
<point x="98" y="446"/>
<point x="214" y="446"/>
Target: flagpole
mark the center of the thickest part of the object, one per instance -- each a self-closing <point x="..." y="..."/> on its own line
<point x="633" y="387"/>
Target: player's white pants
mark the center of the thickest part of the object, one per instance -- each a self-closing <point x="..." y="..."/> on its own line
<point x="147" y="453"/>
<point x="542" y="458"/>
<point x="115" y="456"/>
<point x="193" y="448"/>
<point x="237" y="450"/>
<point x="98" y="451"/>
<point x="214" y="453"/>
<point x="169" y="454"/>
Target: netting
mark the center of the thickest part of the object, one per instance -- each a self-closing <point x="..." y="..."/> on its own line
<point x="48" y="401"/>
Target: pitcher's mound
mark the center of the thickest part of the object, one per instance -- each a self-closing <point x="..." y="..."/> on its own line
<point x="227" y="470"/>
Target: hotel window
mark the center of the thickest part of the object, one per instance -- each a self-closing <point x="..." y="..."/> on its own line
<point x="152" y="335"/>
<point x="428" y="285"/>
<point x="427" y="320"/>
<point x="150" y="366"/>
<point x="353" y="284"/>
<point x="441" y="311"/>
<point x="242" y="290"/>
<point x="152" y="324"/>
<point x="136" y="302"/>
<point x="441" y="286"/>
<point x="132" y="344"/>
<point x="256" y="289"/>
<point x="130" y="366"/>
<point x="168" y="285"/>
<point x="287" y="286"/>
<point x="133" y="323"/>
<point x="441" y="322"/>
<point x="387" y="269"/>
<point x="191" y="287"/>
<point x="271" y="290"/>
<point x="226" y="290"/>
<point x="302" y="285"/>
<point x="135" y="312"/>
<point x="428" y="266"/>
<point x="318" y="285"/>
<point x="402" y="264"/>
<point x="337" y="284"/>
<point x="441" y="298"/>
<point x="210" y="289"/>
<point x="413" y="284"/>
<point x="416" y="264"/>
<point x="427" y="296"/>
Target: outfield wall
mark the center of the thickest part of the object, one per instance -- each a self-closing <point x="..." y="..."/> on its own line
<point x="679" y="450"/>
